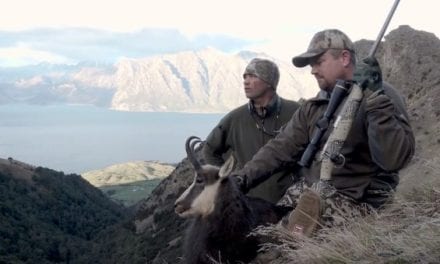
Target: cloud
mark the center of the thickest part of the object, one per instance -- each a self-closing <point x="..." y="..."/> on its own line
<point x="21" y="55"/>
<point x="61" y="45"/>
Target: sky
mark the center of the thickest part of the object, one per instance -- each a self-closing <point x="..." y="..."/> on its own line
<point x="69" y="31"/>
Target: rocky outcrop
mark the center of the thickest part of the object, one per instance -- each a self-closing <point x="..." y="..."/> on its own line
<point x="411" y="62"/>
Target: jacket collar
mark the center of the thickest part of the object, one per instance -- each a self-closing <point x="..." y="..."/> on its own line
<point x="274" y="106"/>
<point x="321" y="96"/>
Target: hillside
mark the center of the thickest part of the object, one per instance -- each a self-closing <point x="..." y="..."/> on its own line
<point x="410" y="61"/>
<point x="128" y="183"/>
<point x="128" y="172"/>
<point x="49" y="217"/>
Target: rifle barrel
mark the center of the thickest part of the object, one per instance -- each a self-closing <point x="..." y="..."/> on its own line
<point x="384" y="28"/>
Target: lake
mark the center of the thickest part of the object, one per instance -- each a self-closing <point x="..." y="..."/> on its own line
<point x="78" y="138"/>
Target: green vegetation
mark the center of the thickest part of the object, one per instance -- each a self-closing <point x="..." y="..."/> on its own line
<point x="52" y="218"/>
<point x="120" y="244"/>
<point x="130" y="193"/>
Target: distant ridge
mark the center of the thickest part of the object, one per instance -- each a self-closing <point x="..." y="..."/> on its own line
<point x="128" y="172"/>
<point x="194" y="81"/>
<point x="202" y="81"/>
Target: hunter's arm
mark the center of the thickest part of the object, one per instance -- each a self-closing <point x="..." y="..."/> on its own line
<point x="282" y="151"/>
<point x="216" y="143"/>
<point x="390" y="136"/>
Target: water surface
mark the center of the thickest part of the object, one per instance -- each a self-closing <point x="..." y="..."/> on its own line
<point x="78" y="138"/>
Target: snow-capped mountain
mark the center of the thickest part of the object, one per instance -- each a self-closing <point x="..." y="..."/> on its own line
<point x="201" y="81"/>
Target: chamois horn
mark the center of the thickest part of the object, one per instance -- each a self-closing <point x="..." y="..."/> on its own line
<point x="190" y="144"/>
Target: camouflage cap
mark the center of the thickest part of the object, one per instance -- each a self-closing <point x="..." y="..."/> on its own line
<point x="321" y="42"/>
<point x="264" y="69"/>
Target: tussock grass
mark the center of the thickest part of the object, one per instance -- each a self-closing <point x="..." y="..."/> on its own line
<point x="405" y="231"/>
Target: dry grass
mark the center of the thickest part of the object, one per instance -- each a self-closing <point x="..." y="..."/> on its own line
<point x="407" y="231"/>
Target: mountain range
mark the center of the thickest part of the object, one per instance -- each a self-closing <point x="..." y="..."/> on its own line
<point x="195" y="81"/>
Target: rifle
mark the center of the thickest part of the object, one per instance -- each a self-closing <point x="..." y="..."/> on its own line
<point x="367" y="76"/>
<point x="304" y="218"/>
<point x="338" y="94"/>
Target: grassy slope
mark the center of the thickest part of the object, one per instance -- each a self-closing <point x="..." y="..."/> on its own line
<point x="128" y="172"/>
<point x="130" y="193"/>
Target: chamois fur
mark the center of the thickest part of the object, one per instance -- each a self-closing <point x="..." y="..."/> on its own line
<point x="222" y="220"/>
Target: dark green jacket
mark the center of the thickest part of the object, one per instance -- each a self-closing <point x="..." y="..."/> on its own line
<point x="379" y="144"/>
<point x="243" y="132"/>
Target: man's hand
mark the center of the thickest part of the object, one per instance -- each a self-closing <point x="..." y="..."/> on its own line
<point x="378" y="101"/>
<point x="368" y="74"/>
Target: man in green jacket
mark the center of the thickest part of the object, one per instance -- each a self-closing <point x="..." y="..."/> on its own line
<point x="379" y="144"/>
<point x="244" y="130"/>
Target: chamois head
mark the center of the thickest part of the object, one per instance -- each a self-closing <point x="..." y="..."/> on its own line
<point x="199" y="198"/>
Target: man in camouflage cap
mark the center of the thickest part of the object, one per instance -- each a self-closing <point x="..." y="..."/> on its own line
<point x="247" y="128"/>
<point x="380" y="141"/>
<point x="320" y="43"/>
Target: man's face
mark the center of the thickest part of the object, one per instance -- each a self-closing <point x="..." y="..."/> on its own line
<point x="327" y="69"/>
<point x="254" y="87"/>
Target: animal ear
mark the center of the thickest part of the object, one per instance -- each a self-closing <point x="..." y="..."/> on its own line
<point x="227" y="167"/>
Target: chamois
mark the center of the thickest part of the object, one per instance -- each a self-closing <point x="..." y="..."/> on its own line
<point x="221" y="215"/>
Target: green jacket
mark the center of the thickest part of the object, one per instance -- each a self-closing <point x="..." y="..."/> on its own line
<point x="379" y="144"/>
<point x="242" y="132"/>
